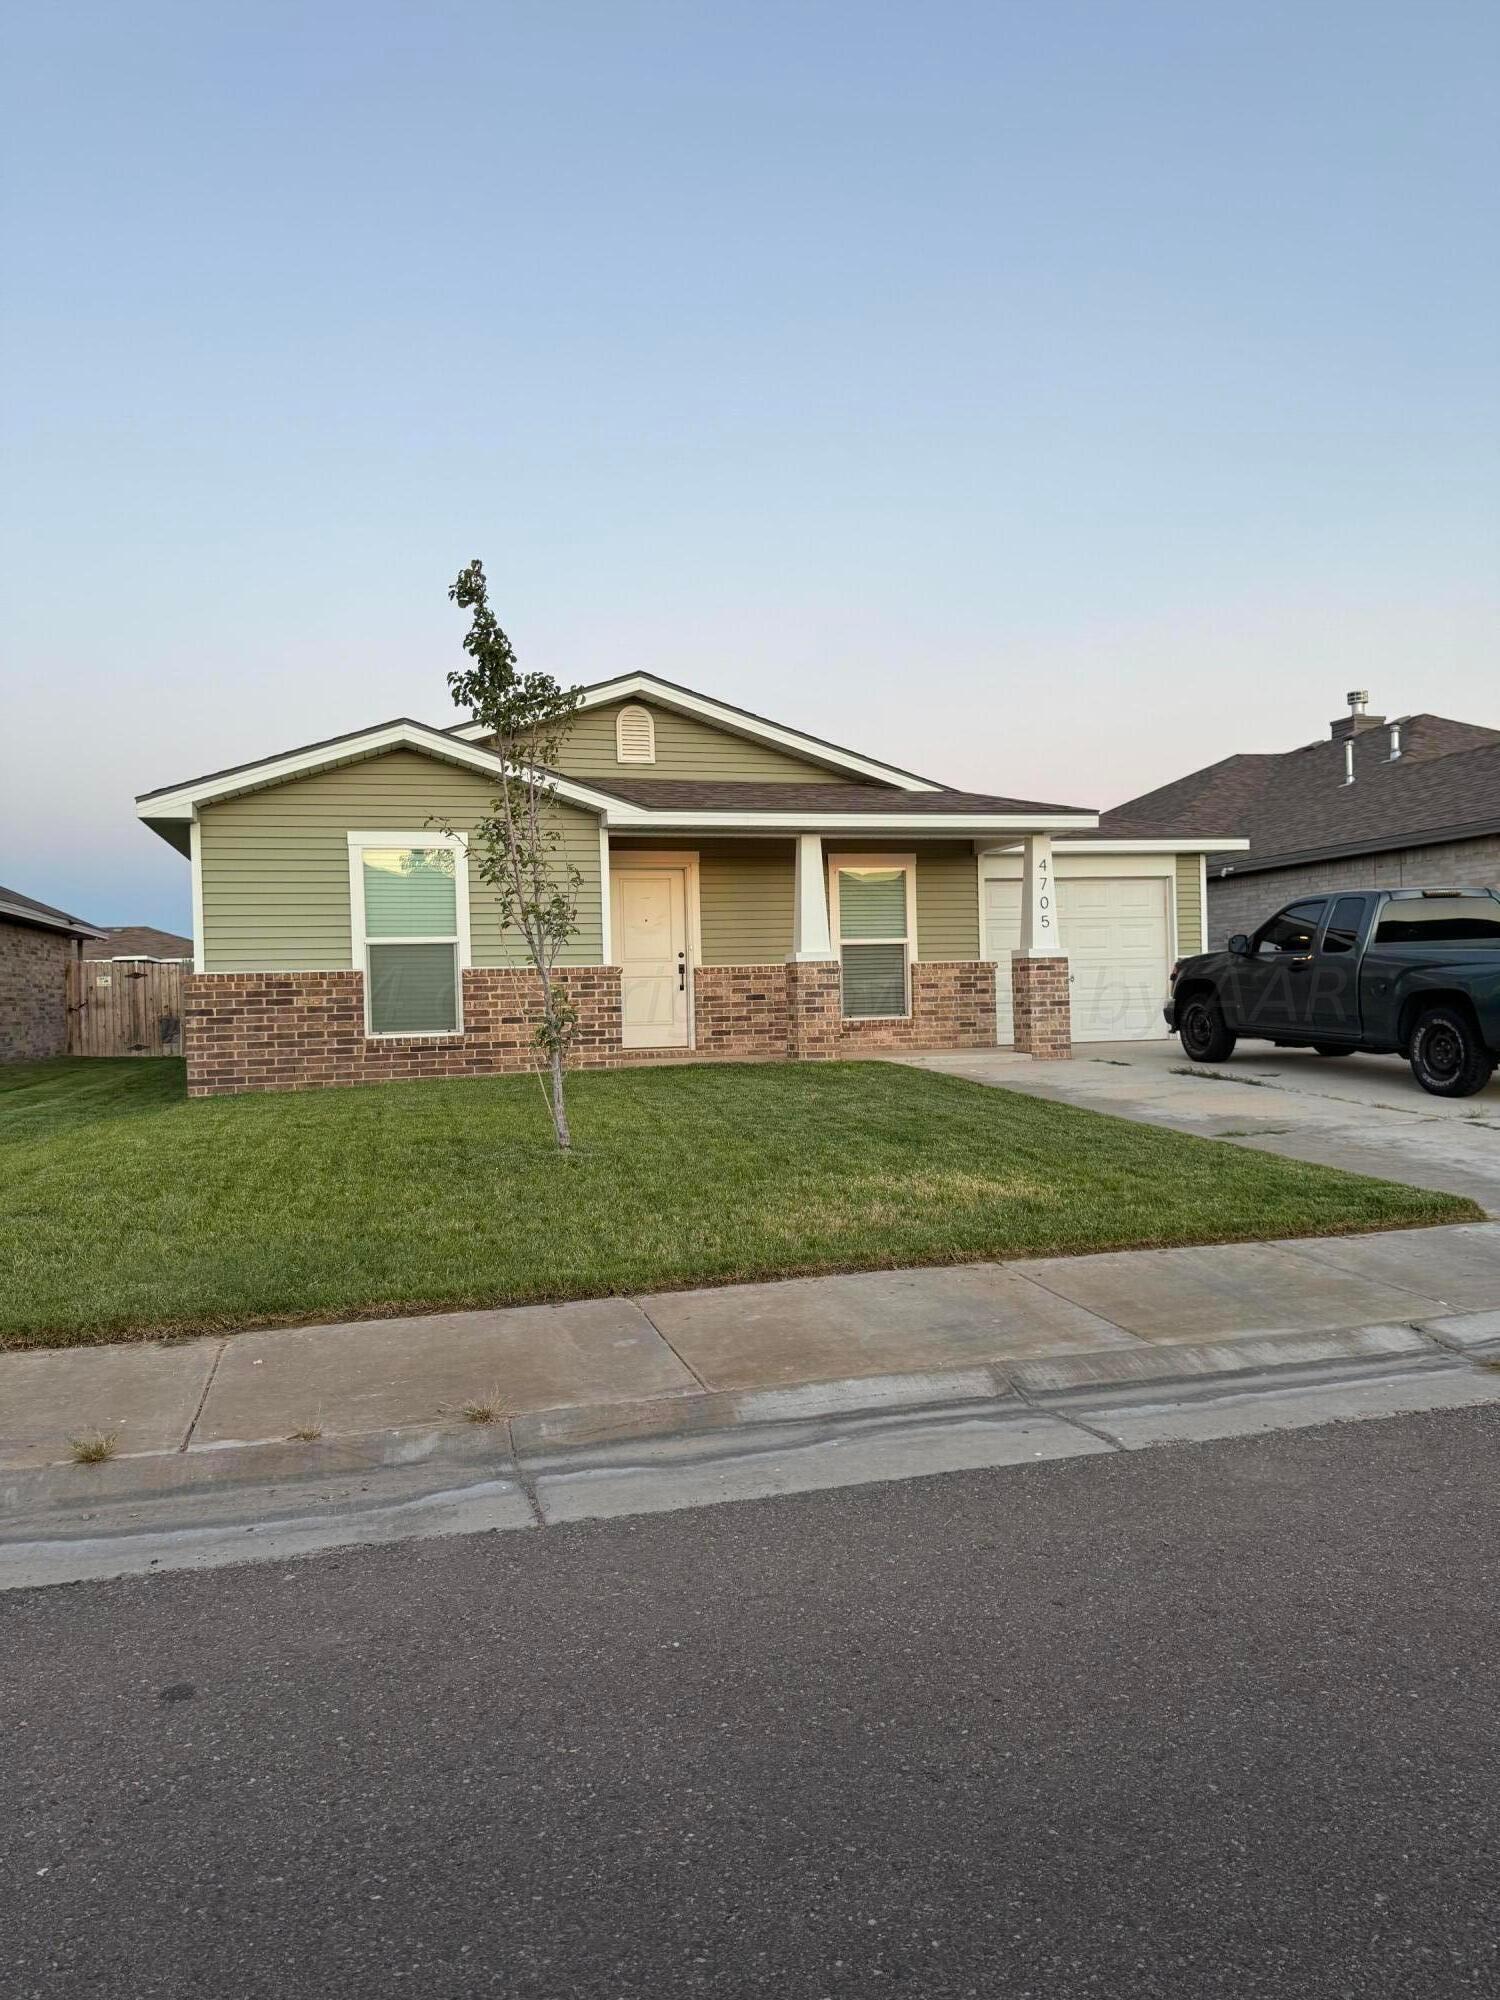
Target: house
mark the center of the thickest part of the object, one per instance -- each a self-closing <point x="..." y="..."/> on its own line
<point x="1375" y="804"/>
<point x="36" y="943"/>
<point x="137" y="942"/>
<point x="747" y="890"/>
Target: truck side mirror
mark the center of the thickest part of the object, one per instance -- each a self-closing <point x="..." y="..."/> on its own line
<point x="1239" y="944"/>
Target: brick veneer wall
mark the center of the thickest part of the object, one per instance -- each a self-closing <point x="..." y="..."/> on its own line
<point x="952" y="1007"/>
<point x="741" y="1010"/>
<point x="33" y="993"/>
<point x="1243" y="902"/>
<point x="305" y="1030"/>
<point x="1043" y="1016"/>
<point x="245" y="1031"/>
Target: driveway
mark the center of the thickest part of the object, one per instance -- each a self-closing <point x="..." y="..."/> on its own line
<point x="1362" y="1112"/>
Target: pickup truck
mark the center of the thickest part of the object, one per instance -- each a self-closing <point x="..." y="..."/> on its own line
<point x="1410" y="971"/>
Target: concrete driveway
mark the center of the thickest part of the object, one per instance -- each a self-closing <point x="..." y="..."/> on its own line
<point x="1362" y="1112"/>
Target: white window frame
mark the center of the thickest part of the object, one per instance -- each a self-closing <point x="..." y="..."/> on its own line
<point x="635" y="708"/>
<point x="360" y="942"/>
<point x="836" y="920"/>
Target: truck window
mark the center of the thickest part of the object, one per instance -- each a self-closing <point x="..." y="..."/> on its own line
<point x="1342" y="933"/>
<point x="1293" y="930"/>
<point x="1439" y="920"/>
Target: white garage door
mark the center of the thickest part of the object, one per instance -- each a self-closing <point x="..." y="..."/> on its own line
<point x="1114" y="929"/>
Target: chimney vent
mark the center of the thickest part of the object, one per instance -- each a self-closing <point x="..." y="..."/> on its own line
<point x="1395" y="741"/>
<point x="1348" y="760"/>
<point x="1356" y="722"/>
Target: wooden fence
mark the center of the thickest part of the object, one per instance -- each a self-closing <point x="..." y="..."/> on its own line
<point x="124" y="1007"/>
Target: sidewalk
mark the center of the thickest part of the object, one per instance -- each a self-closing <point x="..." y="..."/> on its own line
<point x="698" y="1361"/>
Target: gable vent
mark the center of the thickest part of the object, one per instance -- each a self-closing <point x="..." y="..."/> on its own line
<point x="635" y="735"/>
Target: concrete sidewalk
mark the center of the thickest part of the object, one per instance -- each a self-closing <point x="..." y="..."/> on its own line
<point x="692" y="1362"/>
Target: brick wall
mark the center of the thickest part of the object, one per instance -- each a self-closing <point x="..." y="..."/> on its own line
<point x="33" y="993"/>
<point x="952" y="1007"/>
<point x="246" y="1031"/>
<point x="306" y="1030"/>
<point x="1043" y="1016"/>
<point x="741" y="1010"/>
<point x="1243" y="902"/>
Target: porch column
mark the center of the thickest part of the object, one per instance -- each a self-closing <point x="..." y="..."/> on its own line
<point x="1039" y="969"/>
<point x="810" y="936"/>
<point x="814" y="985"/>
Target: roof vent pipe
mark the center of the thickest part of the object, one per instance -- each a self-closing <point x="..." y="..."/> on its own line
<point x="1357" y="699"/>
<point x="1349" y="763"/>
<point x="1395" y="741"/>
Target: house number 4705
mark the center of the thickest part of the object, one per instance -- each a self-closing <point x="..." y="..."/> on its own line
<point x="1044" y="893"/>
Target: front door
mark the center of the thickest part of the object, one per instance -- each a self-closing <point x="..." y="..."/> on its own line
<point x="651" y="906"/>
<point x="1270" y="992"/>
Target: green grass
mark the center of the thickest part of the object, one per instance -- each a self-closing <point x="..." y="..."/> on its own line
<point x="125" y="1209"/>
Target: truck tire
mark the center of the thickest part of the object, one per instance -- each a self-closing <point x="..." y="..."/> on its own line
<point x="1447" y="1057"/>
<point x="1202" y="1030"/>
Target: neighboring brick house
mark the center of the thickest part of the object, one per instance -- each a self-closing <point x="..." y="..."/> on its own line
<point x="744" y="890"/>
<point x="36" y="943"/>
<point x="1377" y="804"/>
<point x="140" y="941"/>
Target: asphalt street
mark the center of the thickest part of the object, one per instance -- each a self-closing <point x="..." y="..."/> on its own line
<point x="1212" y="1719"/>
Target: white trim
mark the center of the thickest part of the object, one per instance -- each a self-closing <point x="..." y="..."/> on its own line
<point x="644" y="860"/>
<point x="812" y="932"/>
<point x="195" y="853"/>
<point x="359" y="943"/>
<point x="644" y="819"/>
<point x="605" y="918"/>
<point x="1202" y="902"/>
<point x="836" y="922"/>
<point x="738" y="724"/>
<point x="1195" y="846"/>
<point x="180" y="802"/>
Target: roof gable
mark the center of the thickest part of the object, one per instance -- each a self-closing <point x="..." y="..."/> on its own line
<point x="727" y="720"/>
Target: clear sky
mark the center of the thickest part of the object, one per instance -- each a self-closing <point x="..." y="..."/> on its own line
<point x="1051" y="397"/>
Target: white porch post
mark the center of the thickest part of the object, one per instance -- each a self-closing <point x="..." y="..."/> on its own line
<point x="810" y="935"/>
<point x="1039" y="934"/>
<point x="606" y="956"/>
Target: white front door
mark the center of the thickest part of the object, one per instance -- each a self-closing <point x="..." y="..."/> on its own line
<point x="1115" y="931"/>
<point x="651" y="920"/>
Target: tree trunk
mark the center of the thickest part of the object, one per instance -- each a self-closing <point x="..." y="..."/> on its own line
<point x="559" y="1108"/>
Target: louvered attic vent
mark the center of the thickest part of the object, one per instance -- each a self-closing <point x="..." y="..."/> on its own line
<point x="635" y="736"/>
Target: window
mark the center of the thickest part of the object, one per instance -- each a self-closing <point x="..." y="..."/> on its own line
<point x="409" y="902"/>
<point x="875" y="921"/>
<point x="1429" y="920"/>
<point x="1292" y="931"/>
<point x="1342" y="933"/>
<point x="635" y="735"/>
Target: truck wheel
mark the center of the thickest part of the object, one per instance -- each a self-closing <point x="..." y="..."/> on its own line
<point x="1202" y="1031"/>
<point x="1447" y="1057"/>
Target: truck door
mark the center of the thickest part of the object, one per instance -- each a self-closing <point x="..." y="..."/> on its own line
<point x="1333" y="983"/>
<point x="1271" y="990"/>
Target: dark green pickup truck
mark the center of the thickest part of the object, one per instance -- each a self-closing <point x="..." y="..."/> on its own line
<point x="1414" y="971"/>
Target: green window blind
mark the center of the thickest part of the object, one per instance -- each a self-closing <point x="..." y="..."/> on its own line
<point x="410" y="892"/>
<point x="874" y="980"/>
<point x="872" y="903"/>
<point x="413" y="989"/>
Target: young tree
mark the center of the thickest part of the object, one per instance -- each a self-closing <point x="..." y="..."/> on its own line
<point x="518" y="847"/>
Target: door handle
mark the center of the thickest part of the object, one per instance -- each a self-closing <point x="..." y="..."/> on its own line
<point x="682" y="972"/>
<point x="1298" y="964"/>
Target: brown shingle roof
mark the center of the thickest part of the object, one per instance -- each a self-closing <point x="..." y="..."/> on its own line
<point x="695" y="795"/>
<point x="19" y="909"/>
<point x="1296" y="806"/>
<point x="138" y="941"/>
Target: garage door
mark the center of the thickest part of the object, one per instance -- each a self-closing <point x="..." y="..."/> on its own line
<point x="1114" y="929"/>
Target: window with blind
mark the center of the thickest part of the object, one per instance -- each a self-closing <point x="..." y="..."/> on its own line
<point x="411" y="923"/>
<point x="873" y="912"/>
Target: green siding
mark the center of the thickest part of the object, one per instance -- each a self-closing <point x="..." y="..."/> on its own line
<point x="1189" y="904"/>
<point x="685" y="748"/>
<point x="947" y="896"/>
<point x="745" y="896"/>
<point x="276" y="864"/>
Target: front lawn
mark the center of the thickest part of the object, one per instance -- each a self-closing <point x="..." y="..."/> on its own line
<point x="125" y="1209"/>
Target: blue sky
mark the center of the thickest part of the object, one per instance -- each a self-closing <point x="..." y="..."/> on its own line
<point x="1051" y="397"/>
